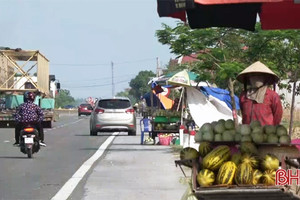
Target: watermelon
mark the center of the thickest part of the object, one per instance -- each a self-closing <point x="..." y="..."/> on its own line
<point x="198" y="136"/>
<point x="219" y="128"/>
<point x="208" y="136"/>
<point x="204" y="148"/>
<point x="257" y="138"/>
<point x="214" y="159"/>
<point x="218" y="138"/>
<point x="237" y="137"/>
<point x="226" y="173"/>
<point x="248" y="147"/>
<point x="250" y="159"/>
<point x="270" y="129"/>
<point x="285" y="139"/>
<point x="281" y="130"/>
<point x="227" y="136"/>
<point x="236" y="158"/>
<point x="206" y="127"/>
<point x="229" y="124"/>
<point x="257" y="174"/>
<point x="272" y="138"/>
<point x="245" y="129"/>
<point x="243" y="174"/>
<point x="189" y="153"/>
<point x="205" y="178"/>
<point x="254" y="124"/>
<point x="270" y="162"/>
<point x="268" y="178"/>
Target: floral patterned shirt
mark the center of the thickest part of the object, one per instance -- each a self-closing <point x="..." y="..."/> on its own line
<point x="29" y="112"/>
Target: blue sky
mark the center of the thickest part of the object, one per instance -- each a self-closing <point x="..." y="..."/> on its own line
<point x="82" y="37"/>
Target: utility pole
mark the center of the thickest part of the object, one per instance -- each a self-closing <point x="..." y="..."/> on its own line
<point x="112" y="80"/>
<point x="157" y="68"/>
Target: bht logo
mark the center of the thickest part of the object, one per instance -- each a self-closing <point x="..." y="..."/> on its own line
<point x="286" y="177"/>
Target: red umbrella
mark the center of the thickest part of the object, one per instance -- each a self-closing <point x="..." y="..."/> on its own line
<point x="274" y="14"/>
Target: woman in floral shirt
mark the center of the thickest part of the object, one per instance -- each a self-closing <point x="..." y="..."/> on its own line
<point x="29" y="113"/>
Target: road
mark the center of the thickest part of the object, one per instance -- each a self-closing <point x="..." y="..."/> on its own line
<point x="69" y="145"/>
<point x="68" y="168"/>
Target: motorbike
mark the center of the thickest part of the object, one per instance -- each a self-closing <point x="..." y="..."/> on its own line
<point x="29" y="140"/>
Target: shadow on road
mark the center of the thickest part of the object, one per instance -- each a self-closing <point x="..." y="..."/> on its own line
<point x="13" y="157"/>
<point x="102" y="134"/>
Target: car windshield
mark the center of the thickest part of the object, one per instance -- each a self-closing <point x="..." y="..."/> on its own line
<point x="114" y="104"/>
<point x="86" y="105"/>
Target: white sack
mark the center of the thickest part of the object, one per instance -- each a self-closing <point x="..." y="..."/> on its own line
<point x="206" y="110"/>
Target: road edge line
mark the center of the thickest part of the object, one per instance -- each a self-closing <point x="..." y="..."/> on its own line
<point x="67" y="189"/>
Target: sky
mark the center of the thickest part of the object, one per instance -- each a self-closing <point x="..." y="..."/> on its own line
<point x="85" y="39"/>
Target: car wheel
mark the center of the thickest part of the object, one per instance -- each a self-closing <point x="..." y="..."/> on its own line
<point x="93" y="133"/>
<point x="132" y="132"/>
<point x="79" y="114"/>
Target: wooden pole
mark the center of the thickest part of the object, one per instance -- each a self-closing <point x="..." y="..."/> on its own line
<point x="293" y="103"/>
<point x="234" y="112"/>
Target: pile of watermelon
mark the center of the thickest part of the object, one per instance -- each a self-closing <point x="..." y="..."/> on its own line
<point x="224" y="131"/>
<point x="218" y="166"/>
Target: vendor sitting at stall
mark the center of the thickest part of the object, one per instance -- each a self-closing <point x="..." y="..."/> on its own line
<point x="175" y="105"/>
<point x="258" y="102"/>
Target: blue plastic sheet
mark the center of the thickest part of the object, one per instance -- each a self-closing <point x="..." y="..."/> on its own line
<point x="220" y="94"/>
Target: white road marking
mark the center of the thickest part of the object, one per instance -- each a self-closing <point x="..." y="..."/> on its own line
<point x="71" y="184"/>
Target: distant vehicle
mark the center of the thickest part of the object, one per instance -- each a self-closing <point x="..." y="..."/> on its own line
<point x="69" y="107"/>
<point x="115" y="114"/>
<point x="85" y="109"/>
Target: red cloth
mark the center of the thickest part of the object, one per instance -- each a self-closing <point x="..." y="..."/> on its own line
<point x="240" y="15"/>
<point x="175" y="9"/>
<point x="214" y="2"/>
<point x="280" y="15"/>
<point x="268" y="113"/>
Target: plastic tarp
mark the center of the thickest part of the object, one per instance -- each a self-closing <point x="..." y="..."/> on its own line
<point x="220" y="94"/>
<point x="156" y="100"/>
<point x="206" y="109"/>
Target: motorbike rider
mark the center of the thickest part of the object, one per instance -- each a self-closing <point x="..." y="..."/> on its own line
<point x="29" y="113"/>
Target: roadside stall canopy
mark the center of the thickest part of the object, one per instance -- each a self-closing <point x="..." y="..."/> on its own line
<point x="273" y="14"/>
<point x="176" y="79"/>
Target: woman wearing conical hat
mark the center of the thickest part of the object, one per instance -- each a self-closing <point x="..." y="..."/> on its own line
<point x="258" y="101"/>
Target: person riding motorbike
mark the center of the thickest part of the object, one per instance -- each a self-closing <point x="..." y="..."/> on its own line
<point x="29" y="113"/>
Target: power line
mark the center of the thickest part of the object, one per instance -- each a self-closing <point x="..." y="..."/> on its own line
<point x="105" y="64"/>
<point x="105" y="78"/>
<point x="87" y="86"/>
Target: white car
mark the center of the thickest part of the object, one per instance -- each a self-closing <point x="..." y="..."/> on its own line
<point x="114" y="114"/>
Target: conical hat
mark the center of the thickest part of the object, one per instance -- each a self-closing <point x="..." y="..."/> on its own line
<point x="257" y="67"/>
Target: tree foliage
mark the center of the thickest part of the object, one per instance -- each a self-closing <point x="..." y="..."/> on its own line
<point x="225" y="52"/>
<point x="139" y="85"/>
<point x="64" y="98"/>
<point x="125" y="93"/>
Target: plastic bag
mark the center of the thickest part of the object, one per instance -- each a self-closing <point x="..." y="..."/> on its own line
<point x="188" y="194"/>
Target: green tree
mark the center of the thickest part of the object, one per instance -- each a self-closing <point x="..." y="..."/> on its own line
<point x="125" y="93"/>
<point x="64" y="98"/>
<point x="139" y="85"/>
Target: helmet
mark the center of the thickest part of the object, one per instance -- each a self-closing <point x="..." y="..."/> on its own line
<point x="29" y="96"/>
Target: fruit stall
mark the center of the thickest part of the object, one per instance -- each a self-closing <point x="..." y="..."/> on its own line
<point x="165" y="122"/>
<point x="241" y="163"/>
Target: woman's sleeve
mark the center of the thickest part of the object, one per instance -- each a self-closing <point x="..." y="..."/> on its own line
<point x="277" y="109"/>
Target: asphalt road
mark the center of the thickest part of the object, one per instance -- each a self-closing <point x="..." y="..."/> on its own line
<point x="68" y="146"/>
